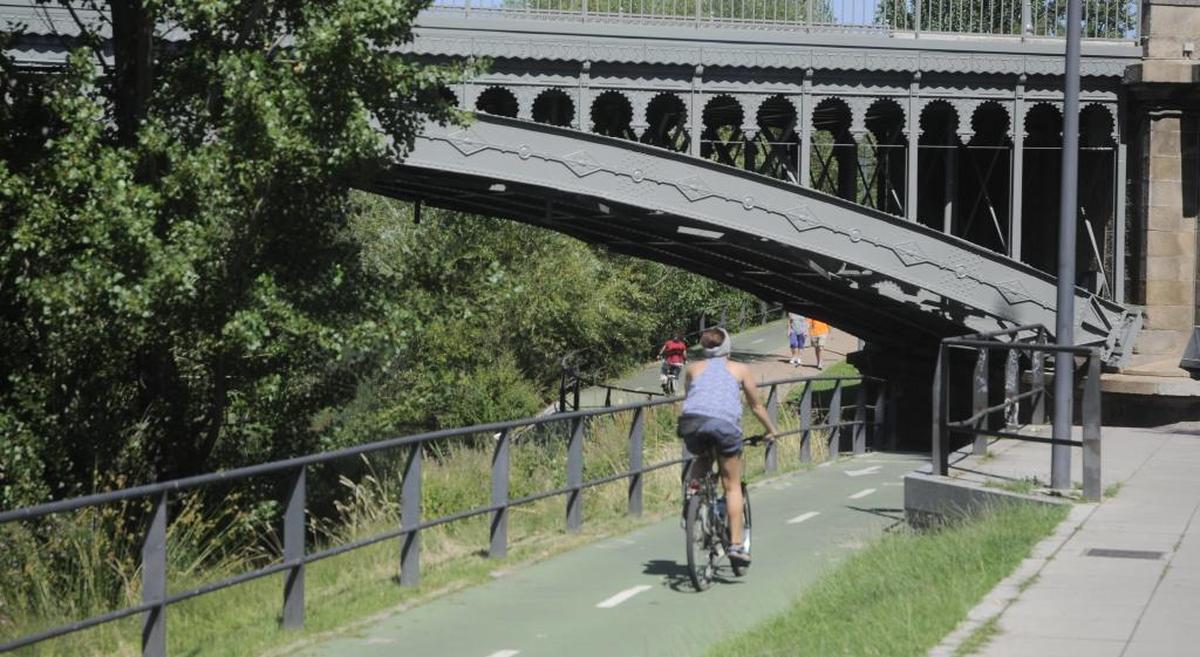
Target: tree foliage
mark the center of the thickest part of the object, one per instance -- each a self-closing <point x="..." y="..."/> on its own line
<point x="176" y="276"/>
<point x="188" y="281"/>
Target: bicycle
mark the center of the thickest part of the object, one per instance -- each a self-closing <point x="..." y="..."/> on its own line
<point x="670" y="378"/>
<point x="706" y="528"/>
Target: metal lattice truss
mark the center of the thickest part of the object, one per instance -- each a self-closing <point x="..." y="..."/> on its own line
<point x="877" y="275"/>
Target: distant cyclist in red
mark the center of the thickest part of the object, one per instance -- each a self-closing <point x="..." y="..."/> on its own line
<point x="674" y="356"/>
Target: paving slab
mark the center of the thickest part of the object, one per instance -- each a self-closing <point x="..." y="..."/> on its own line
<point x="1113" y="604"/>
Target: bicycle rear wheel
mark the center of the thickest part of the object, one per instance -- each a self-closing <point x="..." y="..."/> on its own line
<point x="738" y="570"/>
<point x="699" y="543"/>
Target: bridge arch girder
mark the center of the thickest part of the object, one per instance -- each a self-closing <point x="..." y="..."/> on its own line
<point x="842" y="262"/>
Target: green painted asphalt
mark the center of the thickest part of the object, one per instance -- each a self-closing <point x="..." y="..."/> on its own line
<point x="550" y="609"/>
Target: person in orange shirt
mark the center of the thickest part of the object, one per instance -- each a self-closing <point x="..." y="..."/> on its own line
<point x="818" y="333"/>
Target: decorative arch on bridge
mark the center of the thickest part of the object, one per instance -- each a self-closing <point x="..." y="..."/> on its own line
<point x="722" y="140"/>
<point x="1043" y="172"/>
<point x="778" y="141"/>
<point x="834" y="150"/>
<point x="883" y="158"/>
<point x="612" y="115"/>
<point x="667" y="123"/>
<point x="554" y="107"/>
<point x="1097" y="197"/>
<point x="499" y="101"/>
<point x="984" y="175"/>
<point x="877" y="275"/>
<point x="937" y="165"/>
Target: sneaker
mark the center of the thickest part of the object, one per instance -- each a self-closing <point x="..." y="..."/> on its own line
<point x="739" y="555"/>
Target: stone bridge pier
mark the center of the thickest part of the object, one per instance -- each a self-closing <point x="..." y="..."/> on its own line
<point x="1163" y="101"/>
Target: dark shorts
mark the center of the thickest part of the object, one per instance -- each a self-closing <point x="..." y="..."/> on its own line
<point x="701" y="433"/>
<point x="796" y="340"/>
<point x="672" y="369"/>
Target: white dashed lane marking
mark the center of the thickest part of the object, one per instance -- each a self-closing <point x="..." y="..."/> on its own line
<point x="803" y="516"/>
<point x="862" y="493"/>
<point x="505" y="653"/>
<point x="623" y="596"/>
<point x="874" y="469"/>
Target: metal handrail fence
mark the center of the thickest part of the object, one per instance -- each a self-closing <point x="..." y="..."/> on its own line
<point x="1003" y="420"/>
<point x="295" y="553"/>
<point x="1102" y="19"/>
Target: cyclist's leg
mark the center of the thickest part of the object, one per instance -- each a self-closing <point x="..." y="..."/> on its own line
<point x="731" y="479"/>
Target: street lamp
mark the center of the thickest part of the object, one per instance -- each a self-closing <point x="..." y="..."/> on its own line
<point x="1064" y="333"/>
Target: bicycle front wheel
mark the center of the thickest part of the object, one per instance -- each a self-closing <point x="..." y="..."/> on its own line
<point x="699" y="543"/>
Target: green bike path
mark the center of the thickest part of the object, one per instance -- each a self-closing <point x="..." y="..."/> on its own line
<point x="763" y="348"/>
<point x="630" y="596"/>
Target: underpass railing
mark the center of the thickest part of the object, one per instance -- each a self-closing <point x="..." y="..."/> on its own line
<point x="849" y="422"/>
<point x="1102" y="19"/>
<point x="1022" y="389"/>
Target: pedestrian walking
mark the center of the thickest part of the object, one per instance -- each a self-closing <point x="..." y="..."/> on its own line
<point x="797" y="336"/>
<point x="818" y="334"/>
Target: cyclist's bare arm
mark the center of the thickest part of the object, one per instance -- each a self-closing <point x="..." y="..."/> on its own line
<point x="750" y="390"/>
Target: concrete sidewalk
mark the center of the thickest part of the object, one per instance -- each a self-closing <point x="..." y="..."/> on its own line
<point x="1126" y="580"/>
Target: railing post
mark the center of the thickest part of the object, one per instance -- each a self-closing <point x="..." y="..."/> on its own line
<point x="917" y="18"/>
<point x="808" y="17"/>
<point x="940" y="437"/>
<point x="410" y="517"/>
<point x="877" y="413"/>
<point x="498" y="547"/>
<point x="154" y="581"/>
<point x="575" y="476"/>
<point x="1037" y="380"/>
<point x="699" y="10"/>
<point x="467" y="8"/>
<point x="584" y="9"/>
<point x="770" y="455"/>
<point x="636" y="435"/>
<point x="293" y="550"/>
<point x="1026" y="20"/>
<point x="1092" y="482"/>
<point x="860" y="419"/>
<point x="979" y="389"/>
<point x="806" y="423"/>
<point x="762" y="312"/>
<point x="834" y="421"/>
<point x="1012" y="387"/>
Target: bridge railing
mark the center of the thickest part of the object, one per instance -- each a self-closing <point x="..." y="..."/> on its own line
<point x="1103" y="19"/>
<point x="849" y="421"/>
<point x="1006" y="419"/>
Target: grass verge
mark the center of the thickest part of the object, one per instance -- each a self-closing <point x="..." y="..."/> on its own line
<point x="903" y="593"/>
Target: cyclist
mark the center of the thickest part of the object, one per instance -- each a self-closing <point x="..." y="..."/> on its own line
<point x="674" y="356"/>
<point x="712" y="415"/>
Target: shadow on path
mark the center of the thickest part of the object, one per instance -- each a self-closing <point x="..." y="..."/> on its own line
<point x="675" y="575"/>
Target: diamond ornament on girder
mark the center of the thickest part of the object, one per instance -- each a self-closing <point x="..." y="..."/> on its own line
<point x="581" y="163"/>
<point x="909" y="252"/>
<point x="801" y="217"/>
<point x="694" y="188"/>
<point x="467" y="142"/>
<point x="1013" y="292"/>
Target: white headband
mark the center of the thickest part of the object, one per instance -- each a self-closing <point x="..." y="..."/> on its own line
<point x="722" y="349"/>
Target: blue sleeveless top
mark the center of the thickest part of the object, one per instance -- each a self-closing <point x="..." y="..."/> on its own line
<point x="715" y="393"/>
